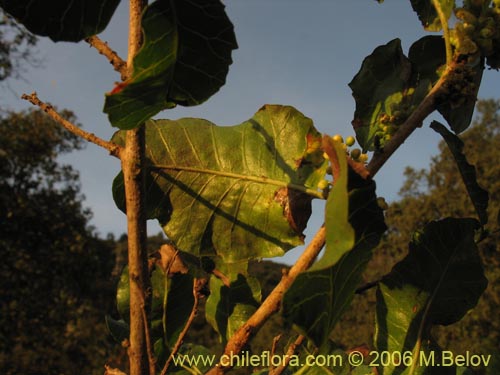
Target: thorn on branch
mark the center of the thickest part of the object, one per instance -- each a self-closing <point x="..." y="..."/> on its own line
<point x="113" y="148"/>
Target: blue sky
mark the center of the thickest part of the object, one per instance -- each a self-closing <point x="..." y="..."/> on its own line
<point x="294" y="52"/>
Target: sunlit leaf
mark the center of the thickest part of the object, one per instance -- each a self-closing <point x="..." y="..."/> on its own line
<point x="62" y="20"/>
<point x="437" y="283"/>
<point x="235" y="192"/>
<point x="184" y="60"/>
<point x="477" y="194"/>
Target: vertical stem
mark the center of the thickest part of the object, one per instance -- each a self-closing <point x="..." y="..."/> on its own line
<point x="446" y="30"/>
<point x="132" y="166"/>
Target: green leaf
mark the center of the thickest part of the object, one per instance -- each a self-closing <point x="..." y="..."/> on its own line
<point x="237" y="192"/>
<point x="429" y="16"/>
<point x="389" y="87"/>
<point x="184" y="60"/>
<point x="119" y="329"/>
<point x="378" y="86"/>
<point x="459" y="109"/>
<point x="62" y="20"/>
<point x="340" y="235"/>
<point x="437" y="283"/>
<point x="317" y="298"/>
<point x="428" y="59"/>
<point x="172" y="302"/>
<point x="477" y="194"/>
<point x="230" y="306"/>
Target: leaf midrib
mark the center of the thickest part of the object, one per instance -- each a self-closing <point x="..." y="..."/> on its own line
<point x="258" y="179"/>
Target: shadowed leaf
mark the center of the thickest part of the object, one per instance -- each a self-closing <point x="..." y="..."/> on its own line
<point x="428" y="15"/>
<point x="437" y="283"/>
<point x="458" y="113"/>
<point x="184" y="60"/>
<point x="230" y="306"/>
<point x="477" y="194"/>
<point x="389" y="86"/>
<point x="378" y="84"/>
<point x="62" y="20"/>
<point x="172" y="302"/>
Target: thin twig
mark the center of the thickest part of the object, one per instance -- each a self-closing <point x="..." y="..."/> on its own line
<point x="113" y="148"/>
<point x="276" y="340"/>
<point x="151" y="356"/>
<point x="103" y="48"/>
<point x="446" y="31"/>
<point x="288" y="357"/>
<point x="197" y="286"/>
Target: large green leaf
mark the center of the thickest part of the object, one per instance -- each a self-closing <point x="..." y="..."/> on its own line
<point x="389" y="86"/>
<point x="428" y="58"/>
<point x="477" y="194"/>
<point x="62" y="20"/>
<point x="429" y="16"/>
<point x="236" y="192"/>
<point x="377" y="86"/>
<point x="230" y="306"/>
<point x="437" y="283"/>
<point x="317" y="298"/>
<point x="184" y="60"/>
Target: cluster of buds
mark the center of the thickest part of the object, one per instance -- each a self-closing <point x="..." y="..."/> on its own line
<point x="397" y="113"/>
<point x="478" y="32"/>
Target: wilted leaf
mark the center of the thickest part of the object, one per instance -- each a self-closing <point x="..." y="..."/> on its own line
<point x="318" y="298"/>
<point x="429" y="16"/>
<point x="437" y="283"/>
<point x="62" y="20"/>
<point x="184" y="60"/>
<point x="236" y="192"/>
<point x="477" y="194"/>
